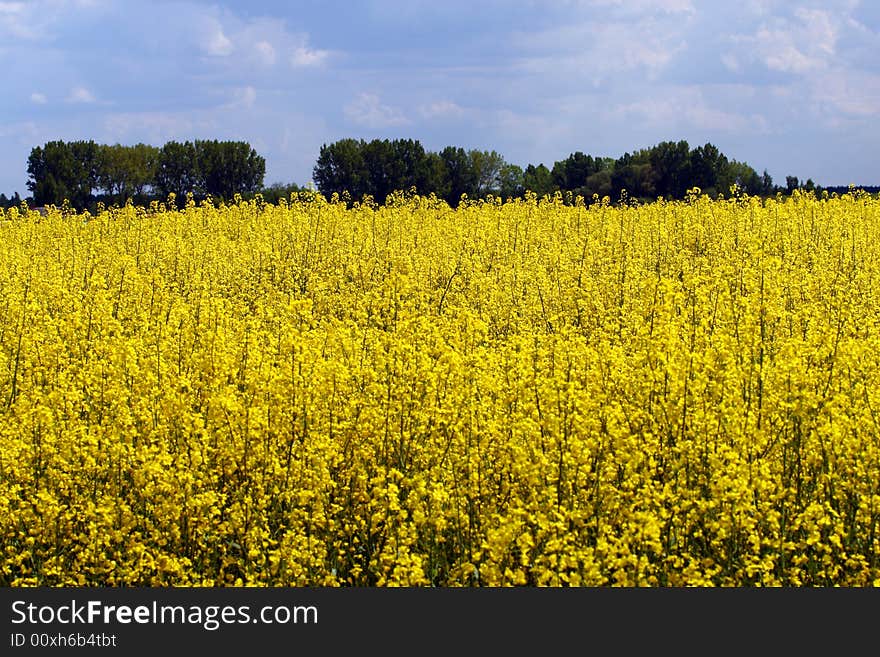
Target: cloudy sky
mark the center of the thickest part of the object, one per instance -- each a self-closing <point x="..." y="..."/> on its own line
<point x="791" y="87"/>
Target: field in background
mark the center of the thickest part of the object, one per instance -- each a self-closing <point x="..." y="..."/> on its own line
<point x="526" y="393"/>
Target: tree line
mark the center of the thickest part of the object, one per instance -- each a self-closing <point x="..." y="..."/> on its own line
<point x="668" y="169"/>
<point x="84" y="173"/>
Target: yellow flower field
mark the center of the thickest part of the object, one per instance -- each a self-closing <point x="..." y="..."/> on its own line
<point x="520" y="393"/>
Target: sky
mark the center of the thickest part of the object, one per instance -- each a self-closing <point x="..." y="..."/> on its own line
<point x="790" y="87"/>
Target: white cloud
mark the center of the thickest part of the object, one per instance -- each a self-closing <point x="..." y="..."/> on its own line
<point x="368" y="110"/>
<point x="80" y="95"/>
<point x="214" y="41"/>
<point x="786" y="58"/>
<point x="150" y="127"/>
<point x="25" y="131"/>
<point x="40" y="19"/>
<point x="256" y="42"/>
<point x="265" y="52"/>
<point x="731" y="62"/>
<point x="649" y="54"/>
<point x="799" y="47"/>
<point x="304" y="57"/>
<point x="643" y="6"/>
<point x="441" y="109"/>
<point x="11" y="9"/>
<point x="852" y="93"/>
<point x="260" y="42"/>
<point x="687" y="108"/>
<point x="591" y="51"/>
<point x="245" y="97"/>
<point x="38" y="98"/>
<point x="15" y="21"/>
<point x="818" y="29"/>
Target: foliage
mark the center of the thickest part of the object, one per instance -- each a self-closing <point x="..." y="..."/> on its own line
<point x="77" y="171"/>
<point x="84" y="173"/>
<point x="177" y="171"/>
<point x="226" y="168"/>
<point x="127" y="172"/>
<point x="13" y="201"/>
<point x="538" y="180"/>
<point x="277" y="191"/>
<point x="380" y="167"/>
<point x="63" y="171"/>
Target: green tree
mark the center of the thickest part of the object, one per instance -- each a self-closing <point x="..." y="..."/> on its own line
<point x="379" y="167"/>
<point x="634" y="176"/>
<point x="61" y="171"/>
<point x="670" y="162"/>
<point x="13" y="201"/>
<point x="411" y="166"/>
<point x="458" y="174"/>
<point x="743" y="176"/>
<point x="767" y="186"/>
<point x="226" y="168"/>
<point x="510" y="180"/>
<point x="126" y="172"/>
<point x="277" y="191"/>
<point x="572" y="173"/>
<point x="341" y="168"/>
<point x="707" y="168"/>
<point x="538" y="180"/>
<point x="487" y="166"/>
<point x="599" y="184"/>
<point x="177" y="170"/>
<point x="438" y="182"/>
<point x="143" y="161"/>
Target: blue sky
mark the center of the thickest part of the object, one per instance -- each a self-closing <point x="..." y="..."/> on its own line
<point x="791" y="87"/>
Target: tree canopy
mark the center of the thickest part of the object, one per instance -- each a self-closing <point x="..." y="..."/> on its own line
<point x="83" y="172"/>
<point x="668" y="169"/>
